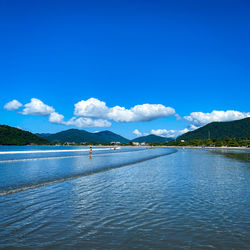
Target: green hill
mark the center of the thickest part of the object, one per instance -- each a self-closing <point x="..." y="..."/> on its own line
<point x="152" y="139"/>
<point x="15" y="136"/>
<point x="72" y="135"/>
<point x="103" y="137"/>
<point x="43" y="135"/>
<point x="239" y="129"/>
<point x="108" y="136"/>
<point x="81" y="136"/>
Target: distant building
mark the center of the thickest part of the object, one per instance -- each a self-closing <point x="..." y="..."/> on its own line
<point x="136" y="143"/>
<point x="69" y="143"/>
<point x="115" y="143"/>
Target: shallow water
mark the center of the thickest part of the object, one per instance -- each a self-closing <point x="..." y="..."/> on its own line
<point x="239" y="154"/>
<point x="23" y="170"/>
<point x="152" y="198"/>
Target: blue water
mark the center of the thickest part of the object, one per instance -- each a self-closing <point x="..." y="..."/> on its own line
<point x="26" y="170"/>
<point x="128" y="198"/>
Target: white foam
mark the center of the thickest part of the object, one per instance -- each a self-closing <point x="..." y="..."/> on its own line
<point x="52" y="151"/>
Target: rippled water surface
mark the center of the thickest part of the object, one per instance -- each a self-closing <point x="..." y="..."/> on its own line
<point x="126" y="198"/>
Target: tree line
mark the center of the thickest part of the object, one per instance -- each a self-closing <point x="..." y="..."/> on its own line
<point x="225" y="142"/>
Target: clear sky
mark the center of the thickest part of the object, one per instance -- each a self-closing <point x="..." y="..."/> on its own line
<point x="187" y="56"/>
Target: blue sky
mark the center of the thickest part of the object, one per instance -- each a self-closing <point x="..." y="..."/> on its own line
<point x="191" y="56"/>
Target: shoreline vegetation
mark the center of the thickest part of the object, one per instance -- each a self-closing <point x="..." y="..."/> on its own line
<point x="212" y="143"/>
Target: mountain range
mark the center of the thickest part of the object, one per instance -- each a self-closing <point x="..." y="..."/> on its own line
<point x="152" y="139"/>
<point x="239" y="129"/>
<point x="103" y="137"/>
<point x="80" y="136"/>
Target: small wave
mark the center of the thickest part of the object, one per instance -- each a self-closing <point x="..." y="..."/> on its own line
<point x="41" y="158"/>
<point x="60" y="157"/>
<point x="52" y="151"/>
<point x="89" y="172"/>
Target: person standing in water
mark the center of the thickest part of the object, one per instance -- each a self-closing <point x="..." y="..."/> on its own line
<point x="90" y="152"/>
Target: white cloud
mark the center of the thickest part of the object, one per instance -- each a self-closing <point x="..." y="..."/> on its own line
<point x="139" y="113"/>
<point x="37" y="107"/>
<point x="172" y="133"/>
<point x="200" y="118"/>
<point x="56" y="118"/>
<point x="137" y="132"/>
<point x="149" y="112"/>
<point x="87" y="122"/>
<point x="13" y="105"/>
<point x="120" y="114"/>
<point x="91" y="108"/>
<point x="168" y="133"/>
<point x="95" y="108"/>
<point x="78" y="122"/>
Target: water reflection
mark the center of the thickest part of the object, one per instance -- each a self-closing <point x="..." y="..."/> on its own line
<point x="237" y="154"/>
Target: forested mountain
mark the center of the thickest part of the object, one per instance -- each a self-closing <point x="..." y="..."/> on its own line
<point x="239" y="129"/>
<point x="152" y="139"/>
<point x="14" y="136"/>
<point x="81" y="136"/>
<point x="108" y="136"/>
<point x="105" y="137"/>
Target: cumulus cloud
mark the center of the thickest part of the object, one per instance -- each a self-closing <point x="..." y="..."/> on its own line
<point x="95" y="108"/>
<point x="120" y="114"/>
<point x="37" y="107"/>
<point x="13" y="105"/>
<point x="140" y="113"/>
<point x="137" y="132"/>
<point x="171" y="133"/>
<point x="87" y="122"/>
<point x="91" y="108"/>
<point x="149" y="112"/>
<point x="200" y="118"/>
<point x="78" y="122"/>
<point x="56" y="118"/>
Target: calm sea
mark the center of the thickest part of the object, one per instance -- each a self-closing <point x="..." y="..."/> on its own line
<point x="124" y="198"/>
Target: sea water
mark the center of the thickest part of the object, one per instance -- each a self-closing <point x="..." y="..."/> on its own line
<point x="124" y="198"/>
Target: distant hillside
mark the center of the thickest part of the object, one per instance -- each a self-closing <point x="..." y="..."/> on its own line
<point x="152" y="139"/>
<point x="81" y="136"/>
<point x="218" y="130"/>
<point x="72" y="135"/>
<point x="43" y="135"/>
<point x="15" y="136"/>
<point x="108" y="136"/>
